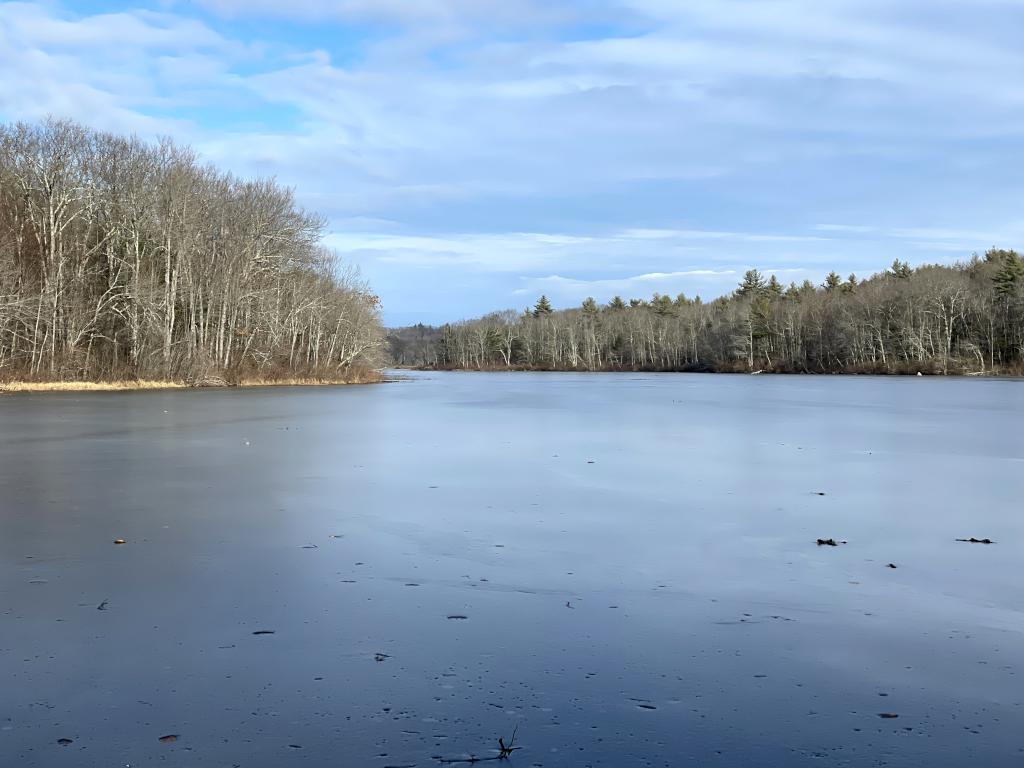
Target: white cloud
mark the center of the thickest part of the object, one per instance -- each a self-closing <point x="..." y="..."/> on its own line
<point x="942" y="239"/>
<point x="858" y="229"/>
<point x="114" y="71"/>
<point x="651" y="281"/>
<point x="498" y="252"/>
<point x="402" y="11"/>
<point x="114" y="31"/>
<point x="703" y="234"/>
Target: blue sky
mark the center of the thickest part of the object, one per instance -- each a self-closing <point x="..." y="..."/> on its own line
<point x="472" y="154"/>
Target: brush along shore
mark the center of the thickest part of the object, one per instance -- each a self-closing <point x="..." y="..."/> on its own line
<point x="146" y="384"/>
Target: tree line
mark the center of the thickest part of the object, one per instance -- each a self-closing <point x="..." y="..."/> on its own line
<point x="964" y="318"/>
<point x="126" y="259"/>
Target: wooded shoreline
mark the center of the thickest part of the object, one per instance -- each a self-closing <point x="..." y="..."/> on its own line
<point x="989" y="374"/>
<point x="963" y="318"/>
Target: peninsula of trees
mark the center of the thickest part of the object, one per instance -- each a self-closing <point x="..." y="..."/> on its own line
<point x="965" y="318"/>
<point x="126" y="260"/>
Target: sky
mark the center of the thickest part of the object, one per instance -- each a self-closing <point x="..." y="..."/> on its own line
<point x="471" y="155"/>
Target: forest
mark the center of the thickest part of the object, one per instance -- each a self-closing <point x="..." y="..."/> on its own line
<point x="967" y="318"/>
<point x="121" y="259"/>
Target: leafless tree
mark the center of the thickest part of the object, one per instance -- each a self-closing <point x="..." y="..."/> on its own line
<point x="124" y="259"/>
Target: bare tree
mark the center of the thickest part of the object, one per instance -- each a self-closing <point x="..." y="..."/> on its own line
<point x="124" y="259"/>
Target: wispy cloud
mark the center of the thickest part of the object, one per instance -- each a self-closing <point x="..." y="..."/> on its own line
<point x="703" y="234"/>
<point x="962" y="241"/>
<point x="526" y="251"/>
<point x="122" y="71"/>
<point x="568" y="289"/>
<point x="401" y="11"/>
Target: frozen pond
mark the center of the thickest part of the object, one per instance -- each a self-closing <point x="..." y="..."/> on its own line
<point x="634" y="557"/>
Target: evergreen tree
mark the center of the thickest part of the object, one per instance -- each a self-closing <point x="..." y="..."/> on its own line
<point x="662" y="305"/>
<point x="832" y="281"/>
<point x="589" y="306"/>
<point x="998" y="255"/>
<point x="616" y="303"/>
<point x="542" y="307"/>
<point x="1010" y="277"/>
<point x="774" y="286"/>
<point x="753" y="284"/>
<point x="900" y="269"/>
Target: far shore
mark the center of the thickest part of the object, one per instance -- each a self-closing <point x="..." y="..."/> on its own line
<point x="11" y="387"/>
<point x="994" y="374"/>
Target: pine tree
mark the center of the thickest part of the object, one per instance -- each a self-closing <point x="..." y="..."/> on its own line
<point x="1010" y="277"/>
<point x="662" y="305"/>
<point x="589" y="306"/>
<point x="616" y="303"/>
<point x="998" y="255"/>
<point x="753" y="284"/>
<point x="542" y="307"/>
<point x="900" y="269"/>
<point x="832" y="281"/>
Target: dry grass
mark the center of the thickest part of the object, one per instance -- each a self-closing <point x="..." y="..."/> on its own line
<point x="85" y="386"/>
<point x="117" y="386"/>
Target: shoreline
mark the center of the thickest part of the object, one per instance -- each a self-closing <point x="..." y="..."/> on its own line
<point x="36" y="387"/>
<point x="703" y="372"/>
